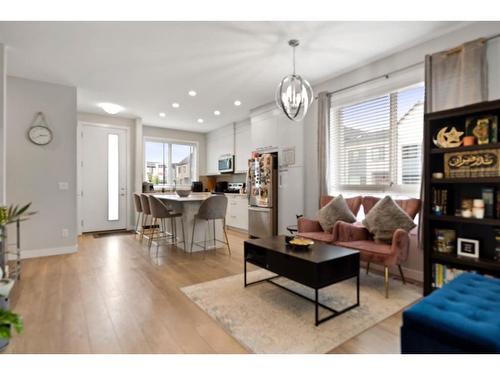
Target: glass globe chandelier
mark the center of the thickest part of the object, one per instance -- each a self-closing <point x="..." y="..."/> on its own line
<point x="294" y="94"/>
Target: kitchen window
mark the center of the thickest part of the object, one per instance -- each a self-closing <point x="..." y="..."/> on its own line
<point x="169" y="164"/>
<point x="375" y="143"/>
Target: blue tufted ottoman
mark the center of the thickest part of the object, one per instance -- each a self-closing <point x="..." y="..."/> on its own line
<point x="461" y="317"/>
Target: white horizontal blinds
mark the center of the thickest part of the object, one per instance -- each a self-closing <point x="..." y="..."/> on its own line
<point x="410" y="110"/>
<point x="376" y="143"/>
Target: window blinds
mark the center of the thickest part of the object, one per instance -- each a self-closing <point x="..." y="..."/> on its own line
<point x="376" y="144"/>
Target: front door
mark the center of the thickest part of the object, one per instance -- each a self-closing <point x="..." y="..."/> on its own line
<point x="103" y="178"/>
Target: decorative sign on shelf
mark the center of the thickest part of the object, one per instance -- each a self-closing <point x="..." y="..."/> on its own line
<point x="484" y="163"/>
<point x="448" y="139"/>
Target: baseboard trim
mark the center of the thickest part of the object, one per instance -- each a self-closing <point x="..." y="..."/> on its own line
<point x="38" y="253"/>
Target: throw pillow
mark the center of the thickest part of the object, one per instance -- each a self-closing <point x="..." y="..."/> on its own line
<point x="384" y="218"/>
<point x="336" y="210"/>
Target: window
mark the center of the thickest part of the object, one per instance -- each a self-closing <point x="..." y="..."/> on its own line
<point x="168" y="163"/>
<point x="375" y="144"/>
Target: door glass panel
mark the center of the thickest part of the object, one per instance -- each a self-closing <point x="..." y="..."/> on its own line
<point x="113" y="181"/>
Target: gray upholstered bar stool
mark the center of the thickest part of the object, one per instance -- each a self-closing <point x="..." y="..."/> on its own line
<point x="138" y="210"/>
<point x="161" y="212"/>
<point x="146" y="212"/>
<point x="212" y="208"/>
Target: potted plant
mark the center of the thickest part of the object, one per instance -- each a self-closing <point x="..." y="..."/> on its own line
<point x="8" y="319"/>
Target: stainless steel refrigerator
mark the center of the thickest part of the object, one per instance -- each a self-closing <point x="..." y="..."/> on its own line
<point x="262" y="190"/>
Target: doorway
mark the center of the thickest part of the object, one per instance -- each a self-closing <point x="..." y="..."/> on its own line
<point x="103" y="177"/>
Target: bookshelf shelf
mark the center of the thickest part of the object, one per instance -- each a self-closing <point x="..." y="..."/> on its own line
<point x="448" y="195"/>
<point x="466" y="180"/>
<point x="489" y="146"/>
<point x="465" y="220"/>
<point x="466" y="262"/>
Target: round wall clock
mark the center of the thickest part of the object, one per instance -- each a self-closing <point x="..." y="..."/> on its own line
<point x="40" y="135"/>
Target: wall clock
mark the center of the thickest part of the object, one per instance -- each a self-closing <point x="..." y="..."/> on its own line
<point x="39" y="133"/>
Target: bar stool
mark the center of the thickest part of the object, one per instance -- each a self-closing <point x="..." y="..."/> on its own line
<point x="212" y="208"/>
<point x="146" y="212"/>
<point x="161" y="212"/>
<point x="138" y="210"/>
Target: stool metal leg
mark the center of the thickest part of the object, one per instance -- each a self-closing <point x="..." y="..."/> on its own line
<point x="206" y="231"/>
<point x="137" y="222"/>
<point x="225" y="235"/>
<point x="183" y="234"/>
<point x="215" y="243"/>
<point x="192" y="237"/>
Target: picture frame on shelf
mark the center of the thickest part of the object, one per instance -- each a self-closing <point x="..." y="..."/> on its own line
<point x="484" y="128"/>
<point x="468" y="247"/>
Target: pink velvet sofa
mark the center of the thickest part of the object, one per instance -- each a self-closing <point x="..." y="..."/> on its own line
<point x="356" y="236"/>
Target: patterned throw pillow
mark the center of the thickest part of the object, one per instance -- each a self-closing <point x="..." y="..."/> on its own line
<point x="384" y="218"/>
<point x="336" y="210"/>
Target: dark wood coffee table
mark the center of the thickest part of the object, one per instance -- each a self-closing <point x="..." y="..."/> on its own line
<point x="317" y="267"/>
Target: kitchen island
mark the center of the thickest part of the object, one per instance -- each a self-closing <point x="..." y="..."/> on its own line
<point x="189" y="207"/>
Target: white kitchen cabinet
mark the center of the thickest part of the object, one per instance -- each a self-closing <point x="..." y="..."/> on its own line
<point x="219" y="142"/>
<point x="265" y="131"/>
<point x="237" y="211"/>
<point x="242" y="146"/>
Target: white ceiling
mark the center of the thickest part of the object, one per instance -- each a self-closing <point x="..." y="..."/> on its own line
<point x="145" y="66"/>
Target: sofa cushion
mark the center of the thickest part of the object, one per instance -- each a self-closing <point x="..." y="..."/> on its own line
<point x="411" y="206"/>
<point x="317" y="236"/>
<point x="384" y="218"/>
<point x="354" y="203"/>
<point x="336" y="209"/>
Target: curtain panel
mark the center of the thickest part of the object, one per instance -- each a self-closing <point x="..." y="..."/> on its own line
<point x="323" y="139"/>
<point x="461" y="71"/>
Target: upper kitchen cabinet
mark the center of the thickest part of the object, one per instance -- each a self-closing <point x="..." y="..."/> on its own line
<point x="219" y="142"/>
<point x="265" y="130"/>
<point x="242" y="146"/>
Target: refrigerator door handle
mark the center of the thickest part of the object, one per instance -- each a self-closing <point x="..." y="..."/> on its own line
<point x="262" y="209"/>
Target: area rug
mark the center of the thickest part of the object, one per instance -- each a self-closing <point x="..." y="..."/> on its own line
<point x="267" y="319"/>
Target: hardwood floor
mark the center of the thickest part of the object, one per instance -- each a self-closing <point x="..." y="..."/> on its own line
<point x="112" y="297"/>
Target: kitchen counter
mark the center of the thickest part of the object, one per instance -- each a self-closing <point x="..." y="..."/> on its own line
<point x="189" y="207"/>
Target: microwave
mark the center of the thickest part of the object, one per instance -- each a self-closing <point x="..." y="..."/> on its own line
<point x="226" y="164"/>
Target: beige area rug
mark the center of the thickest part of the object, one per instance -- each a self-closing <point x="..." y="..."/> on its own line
<point x="267" y="319"/>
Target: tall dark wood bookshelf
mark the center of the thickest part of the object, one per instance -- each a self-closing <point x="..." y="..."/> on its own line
<point x="458" y="188"/>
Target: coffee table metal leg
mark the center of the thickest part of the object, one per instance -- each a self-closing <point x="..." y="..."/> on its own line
<point x="316" y="307"/>
<point x="245" y="271"/>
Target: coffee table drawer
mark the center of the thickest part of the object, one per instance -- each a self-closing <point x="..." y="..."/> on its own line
<point x="333" y="272"/>
<point x="292" y="268"/>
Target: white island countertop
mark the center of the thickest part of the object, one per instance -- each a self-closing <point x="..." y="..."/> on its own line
<point x="193" y="197"/>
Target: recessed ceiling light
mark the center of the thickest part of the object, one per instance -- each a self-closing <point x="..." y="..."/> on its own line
<point x="176" y="105"/>
<point x="237" y="103"/>
<point x="200" y="120"/>
<point x="216" y="112"/>
<point x="162" y="114"/>
<point x="111" y="108"/>
<point x="192" y="93"/>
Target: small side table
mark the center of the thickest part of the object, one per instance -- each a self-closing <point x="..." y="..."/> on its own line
<point x="292" y="229"/>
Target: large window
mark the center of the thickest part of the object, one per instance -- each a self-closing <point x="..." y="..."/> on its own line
<point x="169" y="163"/>
<point x="375" y="144"/>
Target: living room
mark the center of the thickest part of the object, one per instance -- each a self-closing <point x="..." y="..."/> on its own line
<point x="172" y="187"/>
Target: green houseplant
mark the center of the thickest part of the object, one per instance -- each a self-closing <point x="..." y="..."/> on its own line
<point x="8" y="319"/>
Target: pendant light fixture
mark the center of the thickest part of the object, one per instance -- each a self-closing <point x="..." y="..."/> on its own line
<point x="294" y="94"/>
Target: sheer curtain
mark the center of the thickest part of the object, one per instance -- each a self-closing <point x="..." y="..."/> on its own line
<point x="323" y="138"/>
<point x="457" y="77"/>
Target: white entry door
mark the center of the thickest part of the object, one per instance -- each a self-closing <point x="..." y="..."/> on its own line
<point x="103" y="178"/>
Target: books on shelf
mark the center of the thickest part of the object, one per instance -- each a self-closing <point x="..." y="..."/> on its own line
<point x="439" y="201"/>
<point x="442" y="274"/>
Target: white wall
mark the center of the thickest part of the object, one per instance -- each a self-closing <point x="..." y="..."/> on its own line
<point x="33" y="172"/>
<point x="157" y="132"/>
<point x="391" y="63"/>
<point x="130" y="124"/>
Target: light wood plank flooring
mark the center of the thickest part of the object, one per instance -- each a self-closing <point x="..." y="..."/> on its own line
<point x="112" y="297"/>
